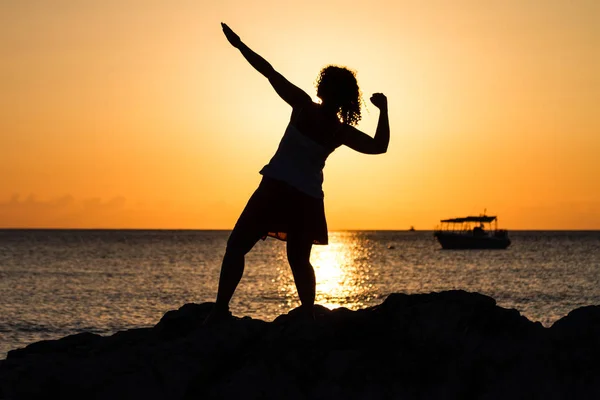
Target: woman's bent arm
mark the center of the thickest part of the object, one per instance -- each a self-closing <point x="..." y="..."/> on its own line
<point x="382" y="133"/>
<point x="362" y="142"/>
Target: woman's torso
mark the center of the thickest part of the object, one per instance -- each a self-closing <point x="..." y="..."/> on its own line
<point x="319" y="125"/>
<point x="310" y="137"/>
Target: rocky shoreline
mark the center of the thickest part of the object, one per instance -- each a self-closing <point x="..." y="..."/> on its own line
<point x="447" y="345"/>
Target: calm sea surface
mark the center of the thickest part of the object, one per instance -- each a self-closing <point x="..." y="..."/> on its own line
<point x="58" y="282"/>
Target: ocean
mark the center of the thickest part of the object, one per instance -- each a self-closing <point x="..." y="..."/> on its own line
<point x="54" y="283"/>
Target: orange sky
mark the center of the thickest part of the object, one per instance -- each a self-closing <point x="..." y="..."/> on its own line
<point x="138" y="114"/>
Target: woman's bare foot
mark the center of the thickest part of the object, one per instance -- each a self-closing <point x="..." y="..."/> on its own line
<point x="308" y="313"/>
<point x="217" y="314"/>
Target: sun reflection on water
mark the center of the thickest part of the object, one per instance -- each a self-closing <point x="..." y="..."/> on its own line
<point x="342" y="273"/>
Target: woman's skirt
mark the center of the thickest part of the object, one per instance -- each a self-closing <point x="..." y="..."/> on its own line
<point x="278" y="210"/>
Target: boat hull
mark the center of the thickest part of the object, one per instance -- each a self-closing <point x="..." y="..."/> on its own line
<point x="454" y="241"/>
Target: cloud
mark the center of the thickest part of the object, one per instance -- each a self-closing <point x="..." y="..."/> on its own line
<point x="96" y="205"/>
<point x="115" y="212"/>
<point x="581" y="214"/>
<point x="30" y="203"/>
<point x="64" y="211"/>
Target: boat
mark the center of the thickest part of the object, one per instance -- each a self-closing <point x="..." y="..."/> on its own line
<point x="472" y="232"/>
<point x="412" y="229"/>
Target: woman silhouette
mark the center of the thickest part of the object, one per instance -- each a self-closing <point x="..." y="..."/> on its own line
<point x="288" y="204"/>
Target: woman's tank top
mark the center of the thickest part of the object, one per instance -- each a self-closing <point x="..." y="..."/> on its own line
<point x="299" y="162"/>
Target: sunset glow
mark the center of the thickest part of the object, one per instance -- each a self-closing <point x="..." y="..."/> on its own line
<point x="139" y="114"/>
<point x="342" y="272"/>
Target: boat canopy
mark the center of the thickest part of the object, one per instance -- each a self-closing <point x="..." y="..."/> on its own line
<point x="483" y="218"/>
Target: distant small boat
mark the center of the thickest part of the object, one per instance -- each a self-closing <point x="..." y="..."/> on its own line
<point x="459" y="233"/>
<point x="412" y="229"/>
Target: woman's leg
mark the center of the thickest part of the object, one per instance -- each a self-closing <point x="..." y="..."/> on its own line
<point x="240" y="242"/>
<point x="244" y="236"/>
<point x="298" y="253"/>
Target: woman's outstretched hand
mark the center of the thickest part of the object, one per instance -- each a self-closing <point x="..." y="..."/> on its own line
<point x="233" y="38"/>
<point x="379" y="100"/>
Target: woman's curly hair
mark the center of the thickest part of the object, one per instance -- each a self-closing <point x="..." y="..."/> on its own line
<point x="338" y="86"/>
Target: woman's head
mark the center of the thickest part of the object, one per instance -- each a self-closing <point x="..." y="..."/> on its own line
<point x="337" y="87"/>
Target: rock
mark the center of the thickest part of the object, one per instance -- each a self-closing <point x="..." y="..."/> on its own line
<point x="78" y="343"/>
<point x="183" y="321"/>
<point x="580" y="324"/>
<point x="452" y="345"/>
<point x="576" y="340"/>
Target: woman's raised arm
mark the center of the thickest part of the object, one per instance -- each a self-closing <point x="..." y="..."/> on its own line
<point x="290" y="93"/>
